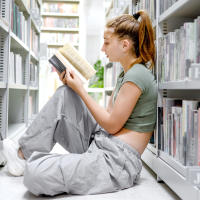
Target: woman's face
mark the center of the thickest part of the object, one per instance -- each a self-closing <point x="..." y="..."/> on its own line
<point x="112" y="46"/>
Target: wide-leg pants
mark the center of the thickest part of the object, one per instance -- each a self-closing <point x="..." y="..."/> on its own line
<point x="98" y="162"/>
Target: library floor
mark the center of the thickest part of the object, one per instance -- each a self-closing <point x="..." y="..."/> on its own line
<point x="146" y="188"/>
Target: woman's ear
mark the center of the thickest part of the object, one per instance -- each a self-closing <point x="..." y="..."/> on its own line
<point x="125" y="45"/>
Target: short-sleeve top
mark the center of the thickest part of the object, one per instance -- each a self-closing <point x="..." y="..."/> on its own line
<point x="143" y="116"/>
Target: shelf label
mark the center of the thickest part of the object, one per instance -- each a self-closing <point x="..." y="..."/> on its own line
<point x="193" y="175"/>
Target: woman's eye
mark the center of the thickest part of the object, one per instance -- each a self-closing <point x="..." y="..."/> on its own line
<point x="105" y="43"/>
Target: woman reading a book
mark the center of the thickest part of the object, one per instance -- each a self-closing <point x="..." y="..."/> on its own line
<point x="105" y="145"/>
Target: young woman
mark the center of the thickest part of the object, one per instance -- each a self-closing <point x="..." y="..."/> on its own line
<point x="105" y="145"/>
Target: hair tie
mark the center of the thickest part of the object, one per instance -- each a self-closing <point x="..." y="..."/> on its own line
<point x="136" y="16"/>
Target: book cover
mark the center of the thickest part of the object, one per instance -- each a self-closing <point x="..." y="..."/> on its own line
<point x="69" y="57"/>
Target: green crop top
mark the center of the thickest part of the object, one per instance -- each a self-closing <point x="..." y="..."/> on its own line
<point x="143" y="116"/>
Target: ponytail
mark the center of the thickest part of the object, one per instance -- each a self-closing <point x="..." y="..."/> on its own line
<point x="146" y="40"/>
<point x="140" y="33"/>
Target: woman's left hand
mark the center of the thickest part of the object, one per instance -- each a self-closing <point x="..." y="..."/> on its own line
<point x="73" y="81"/>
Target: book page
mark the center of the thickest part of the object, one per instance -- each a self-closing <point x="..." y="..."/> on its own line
<point x="73" y="56"/>
<point x="69" y="66"/>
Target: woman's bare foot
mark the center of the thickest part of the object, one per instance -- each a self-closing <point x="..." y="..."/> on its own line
<point x="21" y="154"/>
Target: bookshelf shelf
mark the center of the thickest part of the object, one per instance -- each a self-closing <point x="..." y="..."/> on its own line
<point x="183" y="8"/>
<point x="17" y="43"/>
<point x="109" y="89"/>
<point x="22" y="6"/>
<point x="15" y="128"/>
<point x="34" y="26"/>
<point x="172" y="162"/>
<point x="59" y="14"/>
<point x="33" y="56"/>
<point x="33" y="88"/>
<point x="170" y="176"/>
<point x="3" y="84"/>
<point x="17" y="86"/>
<point x="61" y="44"/>
<point x="3" y="25"/>
<point x="180" y="85"/>
<point x="151" y="148"/>
<point x="60" y="29"/>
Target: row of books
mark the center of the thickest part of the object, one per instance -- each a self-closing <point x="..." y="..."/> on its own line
<point x="60" y="7"/>
<point x="18" y="23"/>
<point x="33" y="75"/>
<point x="112" y="72"/>
<point x="32" y="4"/>
<point x="180" y="130"/>
<point x="17" y="72"/>
<point x="59" y="38"/>
<point x="177" y="50"/>
<point x="34" y="42"/>
<point x="61" y="22"/>
<point x="165" y="4"/>
<point x="149" y="6"/>
<point x="16" y="69"/>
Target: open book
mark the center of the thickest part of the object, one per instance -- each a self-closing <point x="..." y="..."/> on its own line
<point x="68" y="57"/>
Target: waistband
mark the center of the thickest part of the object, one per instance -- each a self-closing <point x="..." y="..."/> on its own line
<point x="119" y="142"/>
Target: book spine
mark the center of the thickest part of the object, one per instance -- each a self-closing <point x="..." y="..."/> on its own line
<point x="192" y="140"/>
<point x="196" y="137"/>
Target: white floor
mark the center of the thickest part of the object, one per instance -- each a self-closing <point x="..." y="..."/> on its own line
<point x="146" y="188"/>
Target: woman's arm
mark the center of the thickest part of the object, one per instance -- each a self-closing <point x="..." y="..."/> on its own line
<point x="125" y="102"/>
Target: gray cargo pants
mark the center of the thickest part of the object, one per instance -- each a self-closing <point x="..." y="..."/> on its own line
<point x="98" y="162"/>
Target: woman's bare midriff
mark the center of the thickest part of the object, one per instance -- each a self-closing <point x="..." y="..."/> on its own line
<point x="137" y="140"/>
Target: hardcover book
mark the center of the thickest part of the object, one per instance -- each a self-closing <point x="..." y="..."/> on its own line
<point x="68" y="57"/>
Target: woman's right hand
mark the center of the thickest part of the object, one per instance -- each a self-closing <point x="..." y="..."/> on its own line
<point x="62" y="77"/>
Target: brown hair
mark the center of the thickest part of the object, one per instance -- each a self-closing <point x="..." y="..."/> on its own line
<point x="139" y="33"/>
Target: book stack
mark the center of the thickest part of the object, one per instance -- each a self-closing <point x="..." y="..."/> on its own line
<point x="60" y="7"/>
<point x="59" y="38"/>
<point x="34" y="42"/>
<point x="15" y="68"/>
<point x="33" y="75"/>
<point x="166" y="4"/>
<point x="180" y="130"/>
<point x="112" y="72"/>
<point x="60" y="22"/>
<point x="18" y="23"/>
<point x="178" y="50"/>
<point x="149" y="6"/>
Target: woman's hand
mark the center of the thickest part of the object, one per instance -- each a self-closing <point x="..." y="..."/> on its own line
<point x="61" y="75"/>
<point x="73" y="81"/>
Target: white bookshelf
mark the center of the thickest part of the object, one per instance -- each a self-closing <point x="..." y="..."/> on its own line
<point x="14" y="98"/>
<point x="165" y="166"/>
